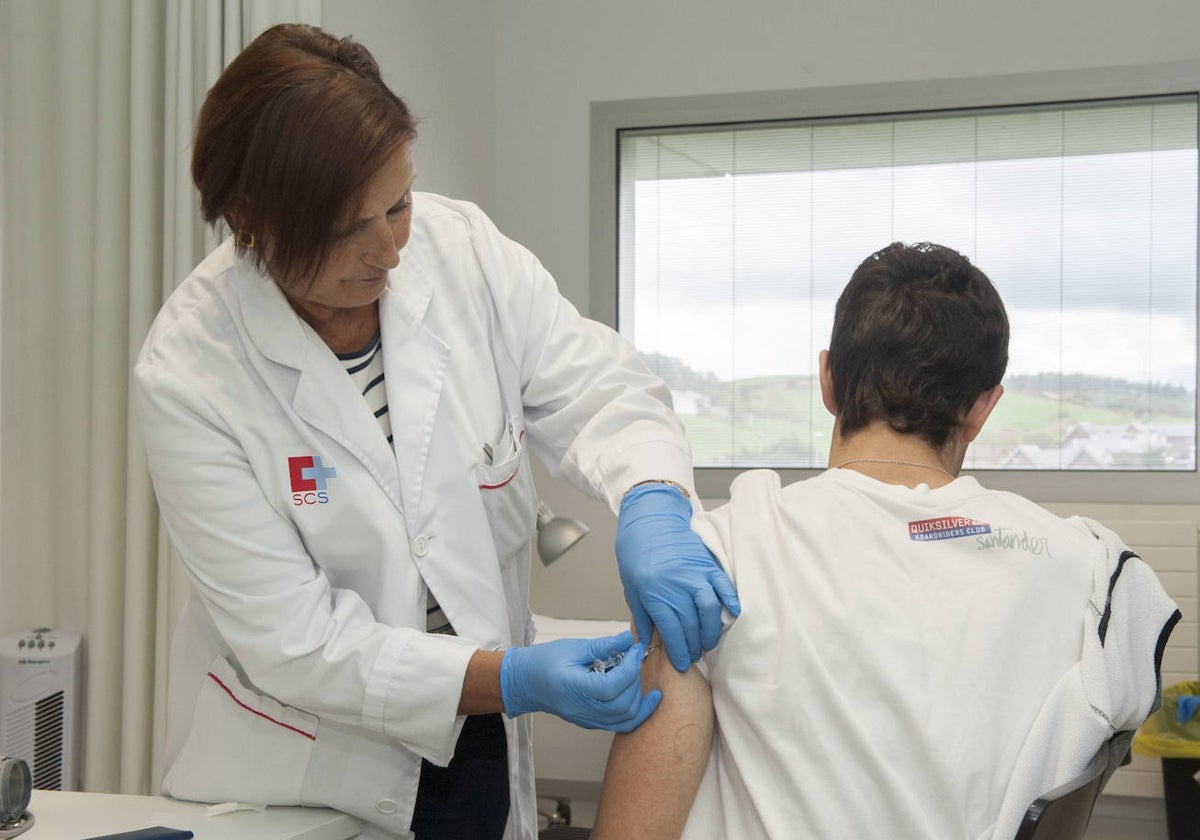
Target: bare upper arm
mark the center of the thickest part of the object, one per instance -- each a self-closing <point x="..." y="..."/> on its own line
<point x="653" y="772"/>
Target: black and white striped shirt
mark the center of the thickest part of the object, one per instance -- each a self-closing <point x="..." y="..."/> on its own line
<point x="365" y="367"/>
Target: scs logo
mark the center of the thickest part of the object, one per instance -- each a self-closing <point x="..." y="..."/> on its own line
<point x="310" y="480"/>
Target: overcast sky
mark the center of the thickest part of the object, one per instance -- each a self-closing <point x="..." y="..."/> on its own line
<point x="1094" y="255"/>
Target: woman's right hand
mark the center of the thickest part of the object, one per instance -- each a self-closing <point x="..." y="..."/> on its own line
<point x="557" y="677"/>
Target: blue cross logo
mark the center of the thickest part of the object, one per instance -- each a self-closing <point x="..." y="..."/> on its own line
<point x="318" y="473"/>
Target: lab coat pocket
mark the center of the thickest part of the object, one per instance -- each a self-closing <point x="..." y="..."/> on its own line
<point x="243" y="746"/>
<point x="509" y="498"/>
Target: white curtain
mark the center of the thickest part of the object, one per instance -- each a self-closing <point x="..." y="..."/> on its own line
<point x="98" y="222"/>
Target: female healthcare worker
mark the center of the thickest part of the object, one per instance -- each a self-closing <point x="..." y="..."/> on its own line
<point x="338" y="405"/>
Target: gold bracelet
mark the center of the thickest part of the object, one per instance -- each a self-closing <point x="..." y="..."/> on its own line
<point x="674" y="484"/>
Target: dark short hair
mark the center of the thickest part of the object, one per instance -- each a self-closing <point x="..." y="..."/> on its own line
<point x="918" y="333"/>
<point x="287" y="139"/>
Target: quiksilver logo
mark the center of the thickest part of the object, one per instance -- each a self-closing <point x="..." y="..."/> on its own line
<point x="945" y="528"/>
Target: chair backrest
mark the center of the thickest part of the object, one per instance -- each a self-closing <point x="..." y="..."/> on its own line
<point x="1064" y="813"/>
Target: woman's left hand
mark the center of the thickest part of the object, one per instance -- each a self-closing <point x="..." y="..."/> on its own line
<point x="672" y="581"/>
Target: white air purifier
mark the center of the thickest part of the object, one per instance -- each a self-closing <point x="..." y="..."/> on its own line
<point x="41" y="699"/>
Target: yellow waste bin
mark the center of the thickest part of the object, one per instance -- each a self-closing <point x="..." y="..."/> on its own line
<point x="1173" y="735"/>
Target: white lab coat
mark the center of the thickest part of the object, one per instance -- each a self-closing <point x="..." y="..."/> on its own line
<point x="299" y="671"/>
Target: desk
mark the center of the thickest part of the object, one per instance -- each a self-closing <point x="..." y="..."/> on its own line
<point x="66" y="815"/>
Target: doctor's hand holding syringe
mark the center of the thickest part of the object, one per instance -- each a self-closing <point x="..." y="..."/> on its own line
<point x="593" y="683"/>
<point x="671" y="582"/>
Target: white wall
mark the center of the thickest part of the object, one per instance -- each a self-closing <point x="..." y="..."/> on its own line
<point x="554" y="58"/>
<point x="438" y="56"/>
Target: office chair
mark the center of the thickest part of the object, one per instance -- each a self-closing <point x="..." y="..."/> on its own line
<point x="1064" y="812"/>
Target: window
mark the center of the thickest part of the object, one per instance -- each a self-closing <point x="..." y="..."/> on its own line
<point x="733" y="239"/>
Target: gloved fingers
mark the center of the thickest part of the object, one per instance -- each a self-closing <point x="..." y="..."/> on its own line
<point x="629" y="669"/>
<point x="608" y="700"/>
<point x="625" y="711"/>
<point x="646" y="707"/>
<point x="726" y="591"/>
<point x="605" y="646"/>
<point x="680" y="631"/>
<point x="624" y="703"/>
<point x="641" y="620"/>
<point x="708" y="608"/>
<point x="621" y="685"/>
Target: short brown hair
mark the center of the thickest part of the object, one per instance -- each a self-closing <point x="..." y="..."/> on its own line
<point x="287" y="139"/>
<point x="918" y="333"/>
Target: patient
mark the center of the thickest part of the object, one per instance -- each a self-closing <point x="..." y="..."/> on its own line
<point x="917" y="656"/>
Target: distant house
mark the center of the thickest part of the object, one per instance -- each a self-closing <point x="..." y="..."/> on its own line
<point x="1172" y="443"/>
<point x="690" y="402"/>
<point x="1181" y="443"/>
<point x="1122" y="437"/>
<point x="1093" y="446"/>
<point x="1077" y="455"/>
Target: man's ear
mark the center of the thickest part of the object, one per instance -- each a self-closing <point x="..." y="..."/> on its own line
<point x="978" y="414"/>
<point x="827" y="384"/>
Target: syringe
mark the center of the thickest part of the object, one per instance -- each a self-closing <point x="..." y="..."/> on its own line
<point x="603" y="666"/>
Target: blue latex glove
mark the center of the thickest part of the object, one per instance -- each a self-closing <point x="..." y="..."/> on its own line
<point x="557" y="677"/>
<point x="672" y="581"/>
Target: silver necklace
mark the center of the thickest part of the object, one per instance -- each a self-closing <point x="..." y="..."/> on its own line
<point x="895" y="461"/>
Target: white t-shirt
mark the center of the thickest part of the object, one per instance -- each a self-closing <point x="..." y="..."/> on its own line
<point x="895" y="648"/>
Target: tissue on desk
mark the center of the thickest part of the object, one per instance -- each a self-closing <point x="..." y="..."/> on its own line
<point x="548" y="629"/>
<point x="230" y="807"/>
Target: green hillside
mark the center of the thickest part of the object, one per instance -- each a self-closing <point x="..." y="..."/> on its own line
<point x="780" y="420"/>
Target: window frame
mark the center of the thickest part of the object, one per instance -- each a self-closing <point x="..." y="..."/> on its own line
<point x="1025" y="90"/>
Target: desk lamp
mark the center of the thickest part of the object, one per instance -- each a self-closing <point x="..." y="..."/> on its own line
<point x="556" y="534"/>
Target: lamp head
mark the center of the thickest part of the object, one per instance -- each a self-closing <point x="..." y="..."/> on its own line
<point x="556" y="534"/>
